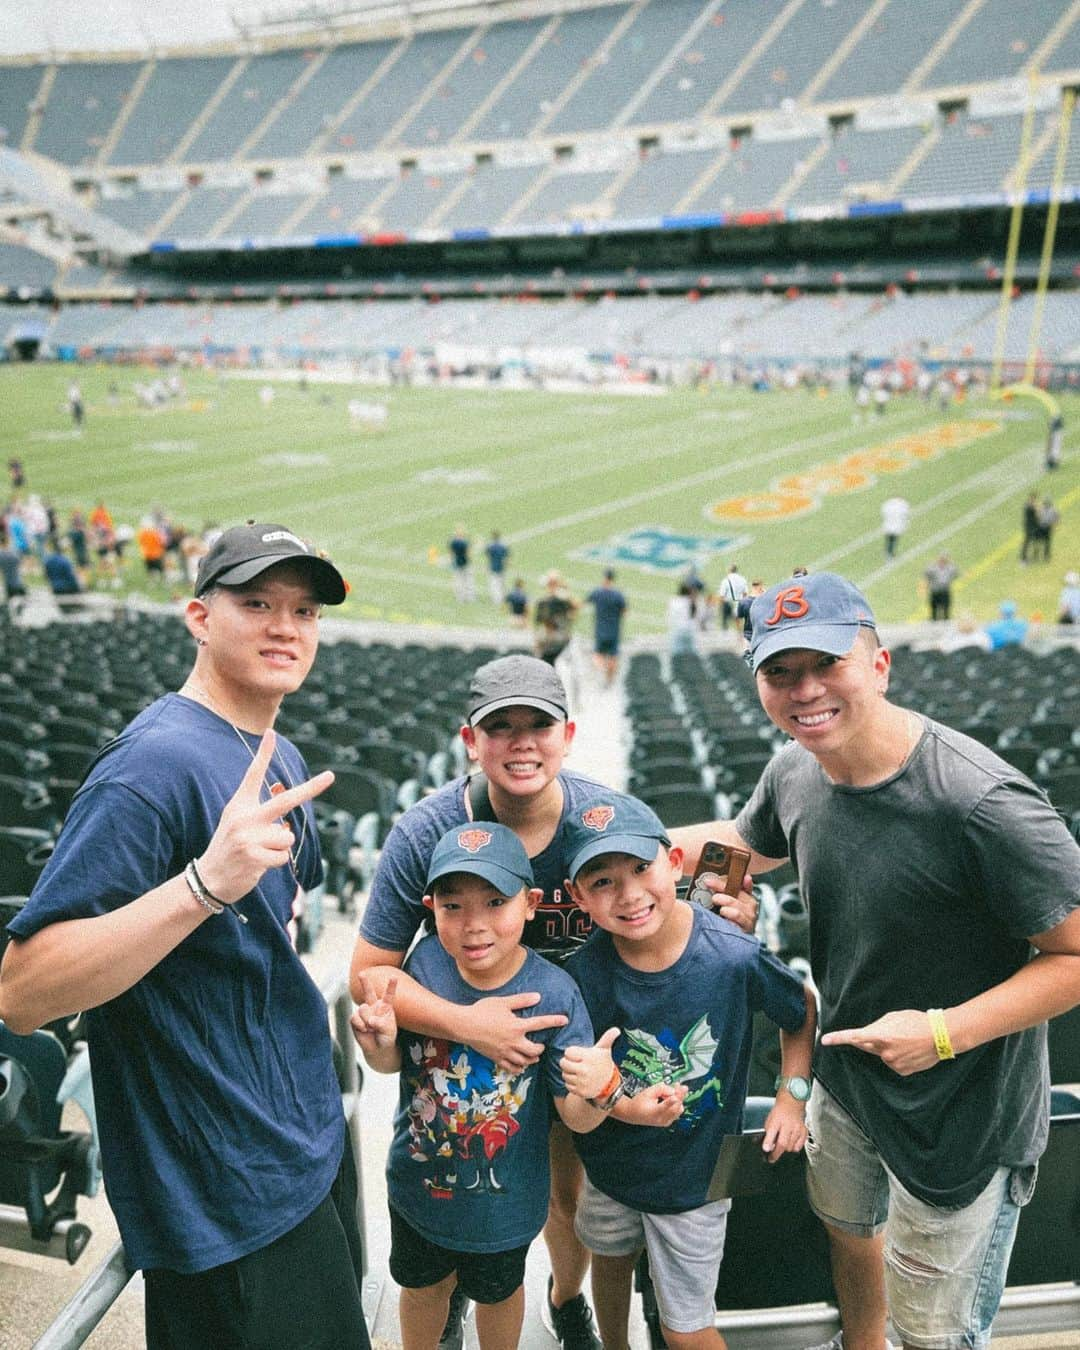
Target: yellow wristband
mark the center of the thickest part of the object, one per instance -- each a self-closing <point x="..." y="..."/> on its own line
<point x="942" y="1043"/>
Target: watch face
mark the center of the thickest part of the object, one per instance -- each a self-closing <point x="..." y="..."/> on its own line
<point x="798" y="1087"/>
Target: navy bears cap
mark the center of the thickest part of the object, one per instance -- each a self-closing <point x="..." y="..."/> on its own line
<point x="484" y="849"/>
<point x="611" y="823"/>
<point x="239" y="555"/>
<point x="822" y="612"/>
<point x="516" y="681"/>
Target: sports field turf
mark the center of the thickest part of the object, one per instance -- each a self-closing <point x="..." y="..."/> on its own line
<point x="575" y="481"/>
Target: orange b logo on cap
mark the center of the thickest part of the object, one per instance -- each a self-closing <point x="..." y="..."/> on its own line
<point x="791" y="603"/>
<point x="598" y="818"/>
<point x="474" y="840"/>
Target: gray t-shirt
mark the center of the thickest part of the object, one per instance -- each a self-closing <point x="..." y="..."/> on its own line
<point x="922" y="892"/>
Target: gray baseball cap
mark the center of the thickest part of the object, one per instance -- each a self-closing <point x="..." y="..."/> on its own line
<point x="516" y="681"/>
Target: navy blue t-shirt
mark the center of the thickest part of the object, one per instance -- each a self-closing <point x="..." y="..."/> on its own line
<point x="517" y="601"/>
<point x="459" y="551"/>
<point x="609" y="604"/>
<point x="219" y="1111"/>
<point x="468" y="1166"/>
<point x="497" y="556"/>
<point x="395" y="908"/>
<point x="691" y="1023"/>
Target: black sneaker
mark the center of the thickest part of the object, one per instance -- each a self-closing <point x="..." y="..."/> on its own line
<point x="454" y="1332"/>
<point x="572" y="1324"/>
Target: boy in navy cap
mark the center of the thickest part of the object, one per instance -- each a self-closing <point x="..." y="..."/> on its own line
<point x="468" y="1173"/>
<point x="682" y="985"/>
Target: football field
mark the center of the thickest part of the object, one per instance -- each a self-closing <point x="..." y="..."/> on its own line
<point x="576" y="481"/>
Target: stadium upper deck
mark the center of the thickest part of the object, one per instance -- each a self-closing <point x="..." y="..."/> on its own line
<point x="635" y="113"/>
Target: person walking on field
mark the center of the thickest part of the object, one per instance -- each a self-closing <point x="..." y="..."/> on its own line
<point x="609" y="606"/>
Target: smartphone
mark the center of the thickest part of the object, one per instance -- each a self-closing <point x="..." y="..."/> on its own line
<point x="719" y="863"/>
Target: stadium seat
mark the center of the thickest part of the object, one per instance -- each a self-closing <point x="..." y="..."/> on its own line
<point x="1047" y="1248"/>
<point x="682" y="804"/>
<point x="25" y="802"/>
<point x="37" y="1157"/>
<point x="23" y="853"/>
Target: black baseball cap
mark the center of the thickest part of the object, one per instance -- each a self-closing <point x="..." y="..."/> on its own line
<point x="241" y="554"/>
<point x="516" y="681"/>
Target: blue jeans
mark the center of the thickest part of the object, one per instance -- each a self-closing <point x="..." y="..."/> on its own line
<point x="944" y="1268"/>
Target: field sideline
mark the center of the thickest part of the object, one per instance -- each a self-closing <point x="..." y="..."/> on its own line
<point x="574" y="481"/>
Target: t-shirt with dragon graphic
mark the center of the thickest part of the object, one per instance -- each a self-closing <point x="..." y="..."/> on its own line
<point x="692" y="1024"/>
<point x="468" y="1165"/>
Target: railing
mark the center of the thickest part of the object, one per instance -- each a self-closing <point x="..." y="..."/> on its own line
<point x="93" y="1299"/>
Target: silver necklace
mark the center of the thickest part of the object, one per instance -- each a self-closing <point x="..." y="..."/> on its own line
<point x="203" y="695"/>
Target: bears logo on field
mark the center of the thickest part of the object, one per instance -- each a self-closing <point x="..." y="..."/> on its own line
<point x="598" y="818"/>
<point x="474" y="840"/>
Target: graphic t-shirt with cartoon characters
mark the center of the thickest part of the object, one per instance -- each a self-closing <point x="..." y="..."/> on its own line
<point x="692" y="1024"/>
<point x="468" y="1166"/>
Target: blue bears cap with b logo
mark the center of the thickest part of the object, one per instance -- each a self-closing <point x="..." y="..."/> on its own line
<point x="822" y="613"/>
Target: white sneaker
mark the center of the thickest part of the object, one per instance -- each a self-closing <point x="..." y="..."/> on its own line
<point x="837" y="1343"/>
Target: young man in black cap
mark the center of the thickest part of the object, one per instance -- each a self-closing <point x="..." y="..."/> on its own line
<point x="944" y="894"/>
<point x="164" y="914"/>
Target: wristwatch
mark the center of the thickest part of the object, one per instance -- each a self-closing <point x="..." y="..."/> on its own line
<point x="798" y="1087"/>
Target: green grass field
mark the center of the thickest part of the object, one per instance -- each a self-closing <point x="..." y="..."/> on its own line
<point x="574" y="481"/>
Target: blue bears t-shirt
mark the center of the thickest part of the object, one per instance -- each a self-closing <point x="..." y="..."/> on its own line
<point x="395" y="908"/>
<point x="468" y="1166"/>
<point x="692" y="1024"/>
<point x="217" y="1103"/>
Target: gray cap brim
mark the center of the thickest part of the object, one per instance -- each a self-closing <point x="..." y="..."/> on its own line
<point x="329" y="586"/>
<point x="835" y="639"/>
<point x="518" y="701"/>
<point x="643" y="846"/>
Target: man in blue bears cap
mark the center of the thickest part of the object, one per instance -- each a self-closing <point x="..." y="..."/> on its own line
<point x="943" y="892"/>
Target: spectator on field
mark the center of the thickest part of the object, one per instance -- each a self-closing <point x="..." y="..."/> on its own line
<point x="517" y="602"/>
<point x="1030" y="527"/>
<point x="151" y="542"/>
<point x="10" y="568"/>
<point x="895" y="517"/>
<point x="79" y="539"/>
<point x="1009" y="630"/>
<point x="1054" y="435"/>
<point x="732" y="589"/>
<point x="609" y="606"/>
<point x="1048" y="517"/>
<point x="219" y="1111"/>
<point x="497" y="555"/>
<point x="682" y="628"/>
<point x="1069" y="599"/>
<point x="553" y="618"/>
<point x="60" y="573"/>
<point x="460" y="547"/>
<point x="757" y="587"/>
<point x="939" y="578"/>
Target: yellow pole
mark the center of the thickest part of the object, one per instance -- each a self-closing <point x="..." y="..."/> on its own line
<point x="1064" y="129"/>
<point x="1023" y="164"/>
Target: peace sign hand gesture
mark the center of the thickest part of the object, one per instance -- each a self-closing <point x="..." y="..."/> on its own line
<point x="251" y="836"/>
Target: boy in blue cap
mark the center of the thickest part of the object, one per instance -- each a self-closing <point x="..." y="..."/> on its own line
<point x="681" y="984"/>
<point x="468" y="1173"/>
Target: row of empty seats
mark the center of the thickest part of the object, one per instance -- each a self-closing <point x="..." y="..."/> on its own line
<point x="642" y="64"/>
<point x="849" y="163"/>
<point x="945" y="325"/>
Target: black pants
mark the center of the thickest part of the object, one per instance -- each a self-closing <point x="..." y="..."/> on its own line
<point x="301" y="1292"/>
<point x="940" y="604"/>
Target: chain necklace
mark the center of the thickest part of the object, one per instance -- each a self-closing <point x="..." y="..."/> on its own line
<point x="203" y="695"/>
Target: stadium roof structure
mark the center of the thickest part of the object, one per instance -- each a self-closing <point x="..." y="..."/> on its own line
<point x="33" y="185"/>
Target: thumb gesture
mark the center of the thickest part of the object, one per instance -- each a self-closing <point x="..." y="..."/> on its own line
<point x="588" y="1069"/>
<point x="252" y="835"/>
